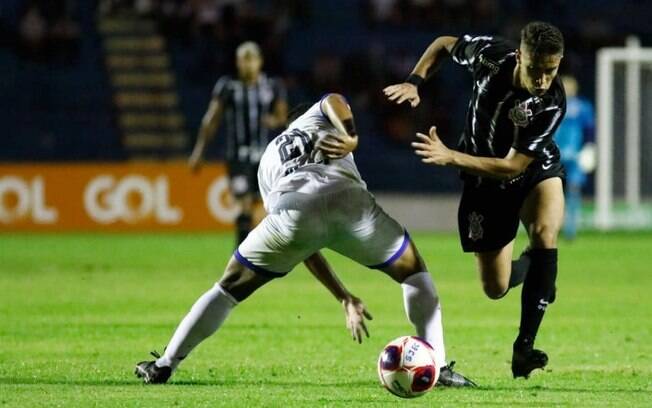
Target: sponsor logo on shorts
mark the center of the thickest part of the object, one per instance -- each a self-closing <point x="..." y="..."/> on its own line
<point x="475" y="226"/>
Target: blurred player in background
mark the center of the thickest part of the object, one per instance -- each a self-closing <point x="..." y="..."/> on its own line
<point x="315" y="198"/>
<point x="575" y="138"/>
<point x="251" y="105"/>
<point x="509" y="163"/>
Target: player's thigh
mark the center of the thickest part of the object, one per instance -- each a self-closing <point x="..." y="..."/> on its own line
<point x="240" y="281"/>
<point x="367" y="235"/>
<point x="284" y="238"/>
<point x="542" y="212"/>
<point x="495" y="268"/>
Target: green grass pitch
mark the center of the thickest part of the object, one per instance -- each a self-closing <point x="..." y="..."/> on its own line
<point x="77" y="311"/>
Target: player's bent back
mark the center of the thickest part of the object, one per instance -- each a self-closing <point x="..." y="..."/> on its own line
<point x="314" y="202"/>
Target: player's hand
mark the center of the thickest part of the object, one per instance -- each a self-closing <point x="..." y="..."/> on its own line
<point x="400" y="93"/>
<point x="356" y="312"/>
<point x="337" y="146"/>
<point x="586" y="158"/>
<point x="270" y="121"/>
<point x="432" y="149"/>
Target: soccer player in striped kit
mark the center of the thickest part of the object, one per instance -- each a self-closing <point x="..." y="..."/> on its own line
<point x="509" y="163"/>
<point x="250" y="105"/>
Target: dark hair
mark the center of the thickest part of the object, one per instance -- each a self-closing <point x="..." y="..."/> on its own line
<point x="296" y="111"/>
<point x="542" y="38"/>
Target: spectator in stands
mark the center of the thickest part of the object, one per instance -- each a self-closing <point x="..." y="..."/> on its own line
<point x="46" y="31"/>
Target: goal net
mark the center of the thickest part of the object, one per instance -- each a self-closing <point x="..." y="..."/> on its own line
<point x="623" y="182"/>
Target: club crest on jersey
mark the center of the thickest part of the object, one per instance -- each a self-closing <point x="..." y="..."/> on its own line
<point x="520" y="114"/>
<point x="475" y="226"/>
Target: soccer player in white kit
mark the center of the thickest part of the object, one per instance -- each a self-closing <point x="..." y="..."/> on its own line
<point x="315" y="198"/>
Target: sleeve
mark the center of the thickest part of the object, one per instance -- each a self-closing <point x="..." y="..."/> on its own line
<point x="221" y="88"/>
<point x="532" y="139"/>
<point x="466" y="50"/>
<point x="280" y="92"/>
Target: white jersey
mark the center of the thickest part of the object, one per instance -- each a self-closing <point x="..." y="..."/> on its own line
<point x="291" y="162"/>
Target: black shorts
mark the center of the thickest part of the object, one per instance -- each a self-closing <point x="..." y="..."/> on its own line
<point x="488" y="215"/>
<point x="243" y="178"/>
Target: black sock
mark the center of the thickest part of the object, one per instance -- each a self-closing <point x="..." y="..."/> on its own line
<point x="520" y="268"/>
<point x="538" y="292"/>
<point x="243" y="224"/>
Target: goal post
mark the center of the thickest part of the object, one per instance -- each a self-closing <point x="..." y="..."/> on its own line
<point x="622" y="168"/>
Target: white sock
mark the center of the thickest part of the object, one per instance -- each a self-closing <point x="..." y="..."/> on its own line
<point x="205" y="317"/>
<point x="424" y="311"/>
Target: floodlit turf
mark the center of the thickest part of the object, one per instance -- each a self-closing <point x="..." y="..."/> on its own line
<point x="77" y="311"/>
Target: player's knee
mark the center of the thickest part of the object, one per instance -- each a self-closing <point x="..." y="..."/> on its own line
<point x="407" y="265"/>
<point x="239" y="281"/>
<point x="544" y="235"/>
<point x="494" y="290"/>
<point x="233" y="276"/>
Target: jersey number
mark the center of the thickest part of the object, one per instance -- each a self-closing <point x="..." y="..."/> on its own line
<point x="295" y="149"/>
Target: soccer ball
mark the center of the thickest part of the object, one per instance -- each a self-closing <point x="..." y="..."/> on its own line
<point x="407" y="367"/>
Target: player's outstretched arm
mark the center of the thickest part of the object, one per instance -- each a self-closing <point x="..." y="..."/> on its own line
<point x="354" y="310"/>
<point x="338" y="111"/>
<point x="433" y="151"/>
<point x="429" y="62"/>
<point x="209" y="125"/>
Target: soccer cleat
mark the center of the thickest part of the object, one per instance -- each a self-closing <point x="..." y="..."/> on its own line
<point x="151" y="373"/>
<point x="449" y="378"/>
<point x="527" y="360"/>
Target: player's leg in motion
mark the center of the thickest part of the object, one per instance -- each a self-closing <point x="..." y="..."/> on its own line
<point x="423" y="308"/>
<point x="499" y="272"/>
<point x="366" y="234"/>
<point x="420" y="298"/>
<point x="496" y="270"/>
<point x="244" y="187"/>
<point x="205" y="317"/>
<point x="245" y="220"/>
<point x="542" y="213"/>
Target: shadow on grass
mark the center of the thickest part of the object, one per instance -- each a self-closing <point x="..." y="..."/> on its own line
<point x="542" y="388"/>
<point x="294" y="384"/>
<point x="182" y="383"/>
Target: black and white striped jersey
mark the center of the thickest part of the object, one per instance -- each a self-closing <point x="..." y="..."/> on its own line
<point x="501" y="116"/>
<point x="244" y="109"/>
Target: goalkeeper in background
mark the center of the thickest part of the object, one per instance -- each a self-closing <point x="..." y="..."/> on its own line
<point x="575" y="138"/>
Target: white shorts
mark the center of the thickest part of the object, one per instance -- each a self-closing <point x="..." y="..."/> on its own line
<point x="348" y="222"/>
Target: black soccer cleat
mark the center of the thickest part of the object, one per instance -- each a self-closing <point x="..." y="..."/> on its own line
<point x="151" y="373"/>
<point x="449" y="378"/>
<point x="527" y="360"/>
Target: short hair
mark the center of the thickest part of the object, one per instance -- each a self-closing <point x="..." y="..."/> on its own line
<point x="248" y="47"/>
<point x="542" y="38"/>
